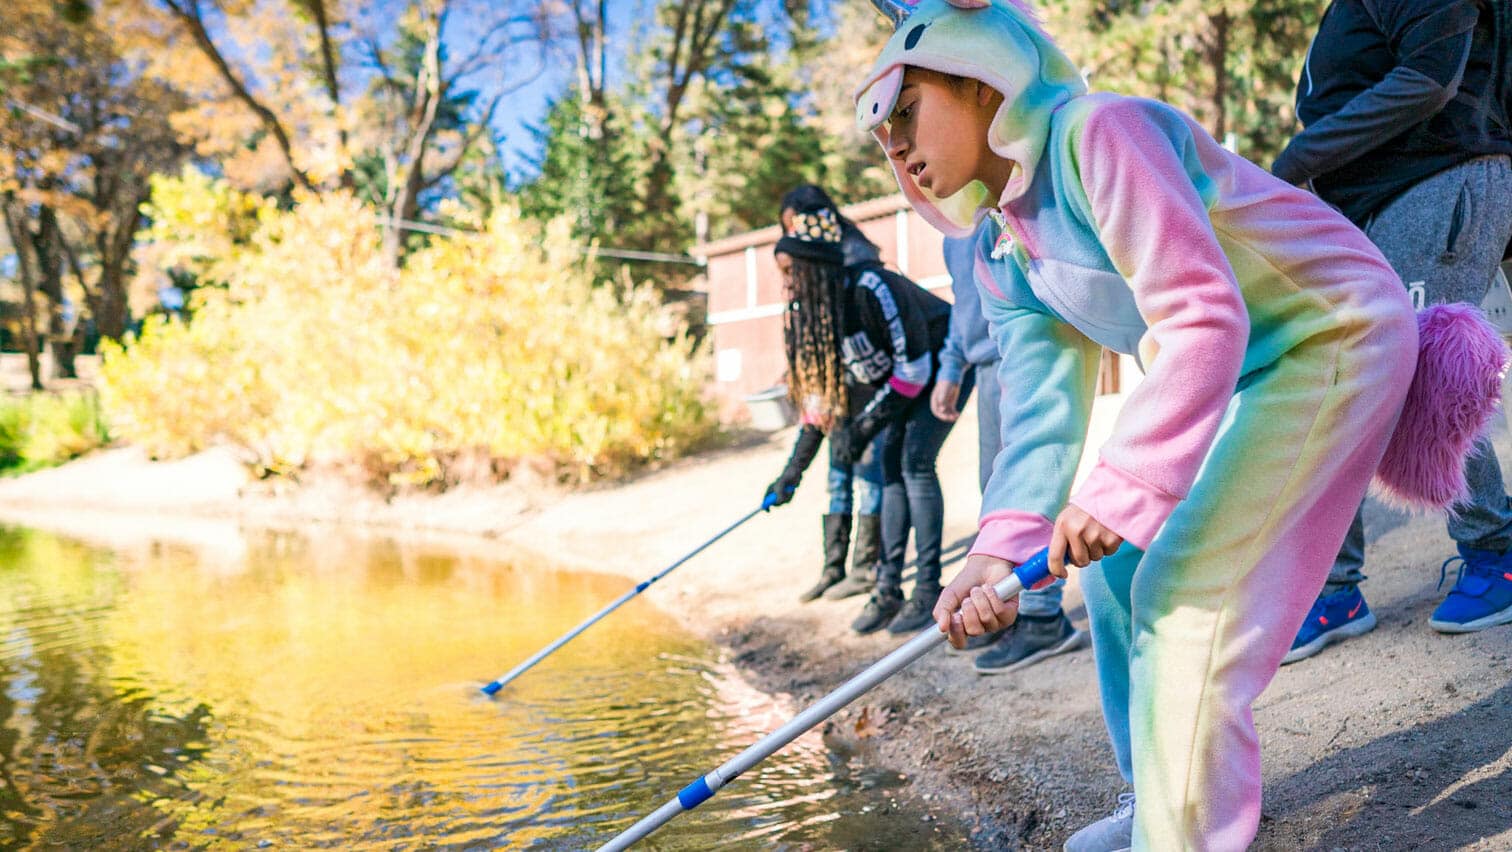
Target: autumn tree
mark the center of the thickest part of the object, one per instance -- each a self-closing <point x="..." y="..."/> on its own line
<point x="86" y="132"/>
<point x="320" y="94"/>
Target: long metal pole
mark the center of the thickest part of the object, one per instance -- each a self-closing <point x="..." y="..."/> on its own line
<point x="1023" y="577"/>
<point x="545" y="652"/>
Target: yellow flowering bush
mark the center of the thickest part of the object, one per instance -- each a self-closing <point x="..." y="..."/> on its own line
<point x="490" y="347"/>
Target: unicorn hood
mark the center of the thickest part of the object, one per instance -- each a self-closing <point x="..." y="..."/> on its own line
<point x="996" y="41"/>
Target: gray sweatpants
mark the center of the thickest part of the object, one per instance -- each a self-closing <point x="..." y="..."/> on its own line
<point x="1445" y="237"/>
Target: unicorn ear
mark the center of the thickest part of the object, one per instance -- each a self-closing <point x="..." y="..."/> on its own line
<point x="970" y="4"/>
<point x="896" y="11"/>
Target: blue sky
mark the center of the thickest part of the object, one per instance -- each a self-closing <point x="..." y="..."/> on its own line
<point x="527" y="106"/>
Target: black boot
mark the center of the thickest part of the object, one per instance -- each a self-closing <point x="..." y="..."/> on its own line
<point x="884" y="603"/>
<point x="918" y="613"/>
<point x="837" y="530"/>
<point x="863" y="571"/>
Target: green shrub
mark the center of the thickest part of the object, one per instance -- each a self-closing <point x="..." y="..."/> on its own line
<point x="12" y="433"/>
<point x="45" y="429"/>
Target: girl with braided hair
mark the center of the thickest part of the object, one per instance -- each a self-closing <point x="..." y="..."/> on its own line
<point x="851" y="486"/>
<point x="852" y="331"/>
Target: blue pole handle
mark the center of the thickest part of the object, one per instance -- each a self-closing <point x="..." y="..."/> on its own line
<point x="1034" y="570"/>
<point x="768" y="501"/>
<point x="695" y="794"/>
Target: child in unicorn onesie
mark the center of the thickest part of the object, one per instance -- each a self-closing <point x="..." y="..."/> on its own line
<point x="1277" y="345"/>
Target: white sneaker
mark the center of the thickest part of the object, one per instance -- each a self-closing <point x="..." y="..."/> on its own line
<point x="1110" y="834"/>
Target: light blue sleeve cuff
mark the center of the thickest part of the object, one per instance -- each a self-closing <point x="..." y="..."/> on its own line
<point x="951" y="369"/>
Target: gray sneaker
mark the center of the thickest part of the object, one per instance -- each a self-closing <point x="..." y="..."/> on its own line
<point x="1110" y="834"/>
<point x="1029" y="640"/>
<point x="977" y="643"/>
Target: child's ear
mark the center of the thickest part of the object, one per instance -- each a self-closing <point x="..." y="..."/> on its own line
<point x="984" y="93"/>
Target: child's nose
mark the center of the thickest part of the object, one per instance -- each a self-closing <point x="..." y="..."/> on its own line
<point x="898" y="148"/>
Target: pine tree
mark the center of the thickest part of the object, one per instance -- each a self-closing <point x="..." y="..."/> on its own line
<point x="591" y="182"/>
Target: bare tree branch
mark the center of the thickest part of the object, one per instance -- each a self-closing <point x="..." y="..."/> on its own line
<point x="317" y="10"/>
<point x="188" y="13"/>
<point x="468" y="141"/>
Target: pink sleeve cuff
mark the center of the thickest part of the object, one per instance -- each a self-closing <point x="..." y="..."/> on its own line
<point x="1125" y="504"/>
<point x="1012" y="535"/>
<point x="907" y="388"/>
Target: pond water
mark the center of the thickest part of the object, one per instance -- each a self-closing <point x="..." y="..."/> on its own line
<point x="299" y="691"/>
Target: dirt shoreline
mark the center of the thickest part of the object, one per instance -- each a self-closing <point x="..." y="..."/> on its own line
<point x="1395" y="740"/>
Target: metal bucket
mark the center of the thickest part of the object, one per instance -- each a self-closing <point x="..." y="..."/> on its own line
<point x="771" y="409"/>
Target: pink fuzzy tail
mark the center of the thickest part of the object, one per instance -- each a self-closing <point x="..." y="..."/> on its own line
<point x="1455" y="391"/>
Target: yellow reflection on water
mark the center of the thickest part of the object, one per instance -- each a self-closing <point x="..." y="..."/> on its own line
<point x="323" y="691"/>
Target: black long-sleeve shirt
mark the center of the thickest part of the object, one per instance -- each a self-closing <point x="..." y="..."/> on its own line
<point x="891" y="333"/>
<point x="1393" y="92"/>
<point x="893" y="330"/>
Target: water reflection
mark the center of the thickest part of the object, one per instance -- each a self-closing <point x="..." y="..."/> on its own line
<point x="322" y="691"/>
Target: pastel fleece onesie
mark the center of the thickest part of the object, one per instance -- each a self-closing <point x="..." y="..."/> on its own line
<point x="1277" y="345"/>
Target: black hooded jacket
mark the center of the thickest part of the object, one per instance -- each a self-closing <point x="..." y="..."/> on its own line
<point x="1396" y="91"/>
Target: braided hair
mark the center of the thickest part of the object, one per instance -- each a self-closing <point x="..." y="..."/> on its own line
<point x="811" y="333"/>
<point x="816" y="291"/>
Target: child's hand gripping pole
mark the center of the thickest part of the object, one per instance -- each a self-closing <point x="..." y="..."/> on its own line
<point x="1025" y="576"/>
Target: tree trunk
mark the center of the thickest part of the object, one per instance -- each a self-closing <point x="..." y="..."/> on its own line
<point x="21" y="239"/>
<point x="64" y="347"/>
<point x="592" y="65"/>
<point x="404" y="208"/>
<point x="48" y="244"/>
<point x="408" y="179"/>
<point x="111" y="310"/>
<point x="29" y="333"/>
<point x="1218" y="58"/>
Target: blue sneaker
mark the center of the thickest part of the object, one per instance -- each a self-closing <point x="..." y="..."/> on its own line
<point x="1333" y="618"/>
<point x="1482" y="593"/>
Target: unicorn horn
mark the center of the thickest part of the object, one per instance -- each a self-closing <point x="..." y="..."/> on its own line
<point x="895" y="10"/>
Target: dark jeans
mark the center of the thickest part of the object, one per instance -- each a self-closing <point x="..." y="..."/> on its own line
<point x="911" y="495"/>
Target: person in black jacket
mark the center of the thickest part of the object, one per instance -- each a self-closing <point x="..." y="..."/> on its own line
<point x="856" y="486"/>
<point x="1406" y="116"/>
<point x="868" y="326"/>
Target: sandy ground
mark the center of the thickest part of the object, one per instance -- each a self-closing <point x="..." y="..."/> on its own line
<point x="1397" y="740"/>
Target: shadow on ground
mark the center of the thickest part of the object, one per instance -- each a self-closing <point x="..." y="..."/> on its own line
<point x="1434" y="785"/>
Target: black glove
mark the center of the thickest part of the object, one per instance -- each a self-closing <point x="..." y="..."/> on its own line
<point x="804" y="449"/>
<point x="781" y="490"/>
<point x="849" y="438"/>
<point x="846" y="447"/>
